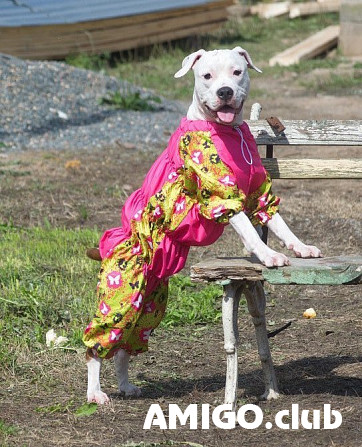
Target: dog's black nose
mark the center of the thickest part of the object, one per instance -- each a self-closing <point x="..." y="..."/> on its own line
<point x="225" y="93"/>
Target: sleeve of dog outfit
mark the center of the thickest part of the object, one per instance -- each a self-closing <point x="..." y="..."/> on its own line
<point x="210" y="181"/>
<point x="261" y="205"/>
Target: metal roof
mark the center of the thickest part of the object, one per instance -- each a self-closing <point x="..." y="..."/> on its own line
<point x="15" y="13"/>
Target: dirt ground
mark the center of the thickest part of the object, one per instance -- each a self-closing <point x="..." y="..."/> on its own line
<point x="317" y="361"/>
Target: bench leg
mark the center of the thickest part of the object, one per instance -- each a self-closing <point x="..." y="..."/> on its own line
<point x="255" y="296"/>
<point x="230" y="306"/>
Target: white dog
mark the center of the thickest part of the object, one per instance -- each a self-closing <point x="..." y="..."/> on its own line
<point x="221" y="87"/>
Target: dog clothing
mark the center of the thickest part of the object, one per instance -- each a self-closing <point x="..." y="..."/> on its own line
<point x="208" y="172"/>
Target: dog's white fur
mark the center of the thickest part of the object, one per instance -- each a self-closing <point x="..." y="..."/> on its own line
<point x="214" y="70"/>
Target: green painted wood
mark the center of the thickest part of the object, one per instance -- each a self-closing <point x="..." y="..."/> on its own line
<point x="336" y="270"/>
<point x="324" y="271"/>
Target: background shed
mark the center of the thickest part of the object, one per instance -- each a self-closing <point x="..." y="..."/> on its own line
<point x="45" y="29"/>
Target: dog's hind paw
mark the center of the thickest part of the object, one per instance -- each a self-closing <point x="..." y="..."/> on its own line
<point x="130" y="390"/>
<point x="98" y="397"/>
<point x="270" y="395"/>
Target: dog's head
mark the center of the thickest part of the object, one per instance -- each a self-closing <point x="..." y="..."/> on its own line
<point x="221" y="84"/>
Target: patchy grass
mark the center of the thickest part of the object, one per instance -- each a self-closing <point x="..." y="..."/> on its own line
<point x="130" y="101"/>
<point x="95" y="62"/>
<point x="46" y="282"/>
<point x="6" y="429"/>
<point x="337" y="84"/>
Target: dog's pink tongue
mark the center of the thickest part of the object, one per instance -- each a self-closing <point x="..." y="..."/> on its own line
<point x="226" y="114"/>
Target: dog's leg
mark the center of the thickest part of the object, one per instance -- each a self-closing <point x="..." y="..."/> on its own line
<point x="255" y="297"/>
<point x="290" y="240"/>
<point x="230" y="305"/>
<point x="254" y="244"/>
<point x="121" y="363"/>
<point x="94" y="392"/>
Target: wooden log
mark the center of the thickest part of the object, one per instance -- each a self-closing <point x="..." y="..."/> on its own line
<point x="313" y="168"/>
<point x="309" y="48"/>
<point x="336" y="270"/>
<point x="310" y="8"/>
<point x="309" y="133"/>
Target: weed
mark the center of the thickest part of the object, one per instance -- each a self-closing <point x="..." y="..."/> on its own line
<point x="7" y="429"/>
<point x="86" y="410"/>
<point x="83" y="212"/>
<point x="130" y="101"/>
<point x="95" y="62"/>
<point x="56" y="408"/>
<point x="8" y="172"/>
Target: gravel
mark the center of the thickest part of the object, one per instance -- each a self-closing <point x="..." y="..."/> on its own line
<point x="53" y="106"/>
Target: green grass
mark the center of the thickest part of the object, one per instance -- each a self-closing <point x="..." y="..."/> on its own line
<point x="130" y="101"/>
<point x="46" y="281"/>
<point x="6" y="429"/>
<point x="350" y="83"/>
<point x="262" y="38"/>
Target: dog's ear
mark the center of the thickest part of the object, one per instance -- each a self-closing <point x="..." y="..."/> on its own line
<point x="245" y="54"/>
<point x="189" y="62"/>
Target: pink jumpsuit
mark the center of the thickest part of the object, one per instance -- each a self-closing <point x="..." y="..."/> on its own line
<point x="207" y="173"/>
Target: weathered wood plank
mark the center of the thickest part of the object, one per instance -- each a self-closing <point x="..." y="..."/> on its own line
<point x="309" y="8"/>
<point x="322" y="271"/>
<point x="113" y="44"/>
<point x="307" y="49"/>
<point x="270" y="10"/>
<point x="83" y="39"/>
<point x="313" y="168"/>
<point x="309" y="133"/>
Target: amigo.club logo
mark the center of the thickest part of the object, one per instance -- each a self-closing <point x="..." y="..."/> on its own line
<point x="248" y="416"/>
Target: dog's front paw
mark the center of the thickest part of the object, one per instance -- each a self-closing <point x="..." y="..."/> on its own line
<point x="305" y="251"/>
<point x="98" y="397"/>
<point x="130" y="390"/>
<point x="274" y="259"/>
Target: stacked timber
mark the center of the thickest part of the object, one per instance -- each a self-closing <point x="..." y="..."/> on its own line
<point x="311" y="8"/>
<point x="58" y="40"/>
<point x="293" y="10"/>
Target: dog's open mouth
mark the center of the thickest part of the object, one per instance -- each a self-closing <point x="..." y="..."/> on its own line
<point x="227" y="114"/>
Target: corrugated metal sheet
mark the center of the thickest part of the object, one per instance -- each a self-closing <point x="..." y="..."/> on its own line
<point x="15" y="13"/>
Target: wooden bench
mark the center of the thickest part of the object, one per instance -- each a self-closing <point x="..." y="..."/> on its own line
<point x="246" y="275"/>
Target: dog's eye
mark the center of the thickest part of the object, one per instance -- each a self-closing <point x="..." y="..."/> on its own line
<point x="237" y="72"/>
<point x="207" y="76"/>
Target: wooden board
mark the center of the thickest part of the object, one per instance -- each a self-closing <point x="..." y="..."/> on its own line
<point x="270" y="10"/>
<point x="116" y="34"/>
<point x="322" y="271"/>
<point x="309" y="133"/>
<point x="311" y="8"/>
<point x="309" y="48"/>
<point x="313" y="168"/>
